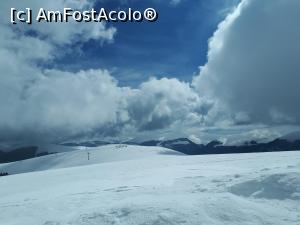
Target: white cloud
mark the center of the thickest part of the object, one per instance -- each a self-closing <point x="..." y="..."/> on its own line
<point x="50" y="103"/>
<point x="253" y="62"/>
<point x="175" y="2"/>
<point x="58" y="33"/>
<point x="161" y="103"/>
<point x="55" y="105"/>
<point x="58" y="104"/>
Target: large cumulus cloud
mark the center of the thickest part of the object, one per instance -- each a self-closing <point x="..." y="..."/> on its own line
<point x="50" y="104"/>
<point x="253" y="64"/>
<point x="60" y="104"/>
<point x="57" y="105"/>
<point x="160" y="103"/>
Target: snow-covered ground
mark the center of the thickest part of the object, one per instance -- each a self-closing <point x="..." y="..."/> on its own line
<point x="134" y="185"/>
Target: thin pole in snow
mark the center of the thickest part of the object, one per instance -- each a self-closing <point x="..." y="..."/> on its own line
<point x="88" y="153"/>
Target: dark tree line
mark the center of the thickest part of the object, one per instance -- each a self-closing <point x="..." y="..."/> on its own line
<point x="3" y="174"/>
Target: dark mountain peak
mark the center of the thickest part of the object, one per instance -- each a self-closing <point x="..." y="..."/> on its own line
<point x="129" y="143"/>
<point x="214" y="143"/>
<point x="294" y="136"/>
<point x="250" y="142"/>
<point x="150" y="143"/>
<point x="279" y="141"/>
<point x="179" y="141"/>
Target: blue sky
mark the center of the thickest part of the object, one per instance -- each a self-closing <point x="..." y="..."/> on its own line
<point x="173" y="46"/>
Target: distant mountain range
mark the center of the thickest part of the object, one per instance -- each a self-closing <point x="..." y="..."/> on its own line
<point x="87" y="143"/>
<point x="188" y="147"/>
<point x="183" y="145"/>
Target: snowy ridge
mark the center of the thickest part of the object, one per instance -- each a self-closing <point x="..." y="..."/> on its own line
<point x="84" y="156"/>
<point x="156" y="187"/>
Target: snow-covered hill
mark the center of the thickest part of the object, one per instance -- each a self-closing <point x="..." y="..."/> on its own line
<point x="139" y="185"/>
<point x="84" y="156"/>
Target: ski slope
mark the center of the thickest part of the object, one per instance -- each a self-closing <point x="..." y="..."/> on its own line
<point x="134" y="185"/>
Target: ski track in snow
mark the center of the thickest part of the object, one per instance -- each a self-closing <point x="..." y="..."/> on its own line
<point x="152" y="186"/>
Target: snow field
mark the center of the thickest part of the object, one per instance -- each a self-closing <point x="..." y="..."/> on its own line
<point x="155" y="186"/>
